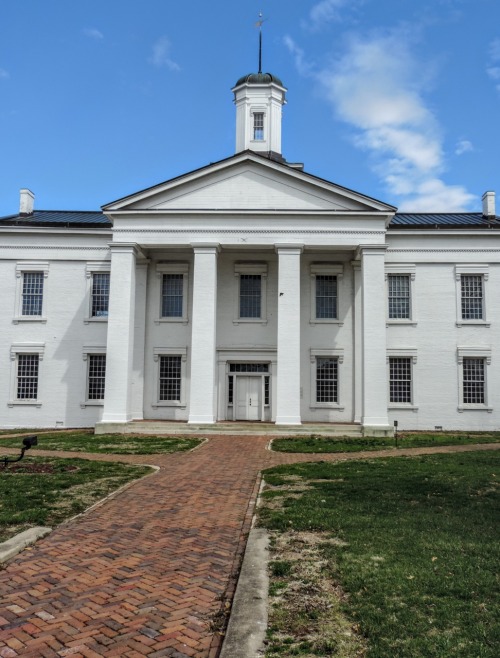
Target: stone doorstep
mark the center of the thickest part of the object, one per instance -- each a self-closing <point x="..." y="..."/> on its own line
<point x="16" y="544"/>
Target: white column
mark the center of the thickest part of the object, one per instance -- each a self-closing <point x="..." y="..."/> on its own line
<point x="203" y="395"/>
<point x="358" y="346"/>
<point x="288" y="384"/>
<point x="139" y="340"/>
<point x="375" y="419"/>
<point x="120" y="343"/>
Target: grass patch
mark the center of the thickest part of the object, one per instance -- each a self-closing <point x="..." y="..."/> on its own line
<point x="115" y="444"/>
<point x="46" y="491"/>
<point x="410" y="546"/>
<point x="321" y="444"/>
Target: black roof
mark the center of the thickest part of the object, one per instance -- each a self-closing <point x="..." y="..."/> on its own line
<point x="63" y="218"/>
<point x="443" y="220"/>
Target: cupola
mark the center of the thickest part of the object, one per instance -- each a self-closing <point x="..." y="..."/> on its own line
<point x="259" y="98"/>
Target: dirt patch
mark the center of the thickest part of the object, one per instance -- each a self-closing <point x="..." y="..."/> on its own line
<point x="29" y="468"/>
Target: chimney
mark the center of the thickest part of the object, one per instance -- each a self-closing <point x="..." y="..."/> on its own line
<point x="489" y="205"/>
<point x="27" y="201"/>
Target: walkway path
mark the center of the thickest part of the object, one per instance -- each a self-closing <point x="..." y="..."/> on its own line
<point x="151" y="572"/>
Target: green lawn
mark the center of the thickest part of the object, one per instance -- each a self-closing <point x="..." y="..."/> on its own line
<point x="320" y="444"/>
<point x="388" y="558"/>
<point x="116" y="444"/>
<point x="46" y="491"/>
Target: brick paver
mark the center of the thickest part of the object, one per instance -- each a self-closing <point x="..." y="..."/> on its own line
<point x="151" y="572"/>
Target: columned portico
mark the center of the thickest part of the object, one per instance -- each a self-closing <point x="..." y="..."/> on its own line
<point x="120" y="343"/>
<point x="288" y="384"/>
<point x="203" y="392"/>
<point x="373" y="340"/>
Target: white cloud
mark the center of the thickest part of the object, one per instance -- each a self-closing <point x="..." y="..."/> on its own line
<point x="4" y="74"/>
<point x="463" y="146"/>
<point x="93" y="33"/>
<point x="161" y="55"/>
<point x="377" y="87"/>
<point x="298" y="55"/>
<point x="326" y="11"/>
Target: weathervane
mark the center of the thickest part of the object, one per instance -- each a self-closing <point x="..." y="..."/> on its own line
<point x="259" y="25"/>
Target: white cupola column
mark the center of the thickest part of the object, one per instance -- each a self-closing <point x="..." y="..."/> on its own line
<point x="375" y="419"/>
<point x="203" y="392"/>
<point x="259" y="98"/>
<point x="288" y="385"/>
<point x="120" y="343"/>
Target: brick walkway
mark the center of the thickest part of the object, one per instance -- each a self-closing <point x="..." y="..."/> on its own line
<point x="152" y="571"/>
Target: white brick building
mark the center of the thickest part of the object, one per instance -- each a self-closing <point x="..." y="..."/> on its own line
<point x="250" y="290"/>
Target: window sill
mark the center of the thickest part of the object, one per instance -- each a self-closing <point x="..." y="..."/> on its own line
<point x="92" y="403"/>
<point x="474" y="323"/>
<point x="168" y="320"/>
<point x="327" y="405"/>
<point x="29" y="318"/>
<point x="402" y="406"/>
<point x="250" y="321"/>
<point x="326" y="321"/>
<point x="170" y="403"/>
<point x="89" y="320"/>
<point x="24" y="403"/>
<point x="407" y="323"/>
<point x="474" y="407"/>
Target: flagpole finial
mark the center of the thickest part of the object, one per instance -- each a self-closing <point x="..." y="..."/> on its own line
<point x="259" y="25"/>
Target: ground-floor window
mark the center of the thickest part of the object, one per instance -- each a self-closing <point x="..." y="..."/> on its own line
<point x="400" y="380"/>
<point x="170" y="379"/>
<point x="473" y="381"/>
<point x="27" y="376"/>
<point x="96" y="376"/>
<point x="327" y="370"/>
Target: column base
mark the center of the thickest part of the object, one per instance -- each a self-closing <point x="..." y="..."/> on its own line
<point x="377" y="430"/>
<point x="288" y="420"/>
<point x="201" y="420"/>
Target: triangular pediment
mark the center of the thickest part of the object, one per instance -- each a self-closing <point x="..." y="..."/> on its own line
<point x="248" y="182"/>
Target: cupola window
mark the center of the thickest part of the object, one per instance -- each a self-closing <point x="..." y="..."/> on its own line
<point x="258" y="126"/>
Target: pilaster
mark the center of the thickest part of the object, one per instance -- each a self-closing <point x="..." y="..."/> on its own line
<point x="203" y="392"/>
<point x="288" y="384"/>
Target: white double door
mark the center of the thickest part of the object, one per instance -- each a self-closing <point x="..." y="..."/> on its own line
<point x="249" y="397"/>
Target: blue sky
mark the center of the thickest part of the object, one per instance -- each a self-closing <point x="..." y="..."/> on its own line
<point x="398" y="99"/>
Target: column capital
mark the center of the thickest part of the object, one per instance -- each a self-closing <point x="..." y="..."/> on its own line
<point x="205" y="247"/>
<point x="294" y="248"/>
<point x="125" y="248"/>
<point x="370" y="250"/>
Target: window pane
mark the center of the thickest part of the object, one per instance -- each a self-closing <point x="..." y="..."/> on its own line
<point x="97" y="376"/>
<point x="172" y="295"/>
<point x="170" y="378"/>
<point x="230" y="389"/>
<point x="248" y="367"/>
<point x="326" y="296"/>
<point x="27" y="376"/>
<point x="258" y="126"/>
<point x="399" y="296"/>
<point x="250" y="295"/>
<point x="400" y="379"/>
<point x="472" y="297"/>
<point x="100" y="295"/>
<point x="327" y="380"/>
<point x="473" y="381"/>
<point x="32" y="293"/>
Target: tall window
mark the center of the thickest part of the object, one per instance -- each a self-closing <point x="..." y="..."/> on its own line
<point x="472" y="296"/>
<point x="399" y="296"/>
<point x="327" y="379"/>
<point x="258" y="126"/>
<point x="250" y="295"/>
<point x="326" y="296"/>
<point x="32" y="294"/>
<point x="96" y="376"/>
<point x="400" y="383"/>
<point x="27" y="376"/>
<point x="100" y="295"/>
<point x="170" y="378"/>
<point x="473" y="381"/>
<point x="172" y="289"/>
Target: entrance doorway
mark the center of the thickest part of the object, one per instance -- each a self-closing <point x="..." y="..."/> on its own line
<point x="248" y="398"/>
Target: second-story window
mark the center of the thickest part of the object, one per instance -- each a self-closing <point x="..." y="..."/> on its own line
<point x="258" y="126"/>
